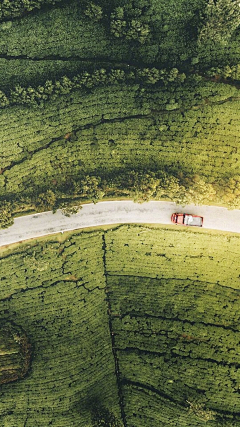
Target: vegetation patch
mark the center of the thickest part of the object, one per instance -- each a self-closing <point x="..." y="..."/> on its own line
<point x="15" y="353"/>
<point x="133" y="325"/>
<point x="57" y="293"/>
<point x="175" y="319"/>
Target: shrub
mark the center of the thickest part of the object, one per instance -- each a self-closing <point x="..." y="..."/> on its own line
<point x="222" y="19"/>
<point x="94" y="12"/>
<point x="45" y="201"/>
<point x="6" y="219"/>
<point x="102" y="417"/>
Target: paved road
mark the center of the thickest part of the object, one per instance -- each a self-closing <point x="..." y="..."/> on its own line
<point x="102" y="213"/>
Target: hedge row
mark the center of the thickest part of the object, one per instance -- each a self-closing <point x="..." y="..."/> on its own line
<point x="138" y="185"/>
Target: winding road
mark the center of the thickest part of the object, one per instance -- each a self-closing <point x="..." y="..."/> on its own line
<point x="116" y="212"/>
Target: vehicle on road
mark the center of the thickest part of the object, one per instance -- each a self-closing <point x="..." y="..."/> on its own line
<point x="187" y="219"/>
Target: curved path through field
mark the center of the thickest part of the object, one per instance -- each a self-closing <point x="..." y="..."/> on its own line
<point x="116" y="212"/>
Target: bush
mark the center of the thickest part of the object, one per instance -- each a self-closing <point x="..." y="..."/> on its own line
<point x="102" y="417"/>
<point x="222" y="19"/>
<point x="45" y="201"/>
<point x="94" y="12"/>
<point x="6" y="219"/>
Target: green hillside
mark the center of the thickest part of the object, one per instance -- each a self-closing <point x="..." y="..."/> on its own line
<point x="140" y="321"/>
<point x="131" y="326"/>
<point x="106" y="91"/>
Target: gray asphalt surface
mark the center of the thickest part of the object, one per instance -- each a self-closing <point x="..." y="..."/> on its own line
<point x="116" y="212"/>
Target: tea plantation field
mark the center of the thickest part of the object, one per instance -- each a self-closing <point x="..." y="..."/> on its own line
<point x="56" y="292"/>
<point x="143" y="321"/>
<point x="175" y="317"/>
<point x="117" y="129"/>
<point x="147" y="99"/>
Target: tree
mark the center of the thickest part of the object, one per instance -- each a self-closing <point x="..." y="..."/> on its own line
<point x="229" y="192"/>
<point x="148" y="75"/>
<point x="46" y="201"/>
<point x="4" y="101"/>
<point x="89" y="187"/>
<point x="138" y="31"/>
<point x="142" y="186"/>
<point x="15" y="352"/>
<point x="102" y="417"/>
<point x="200" y="191"/>
<point x="94" y="12"/>
<point x="69" y="209"/>
<point x="222" y="18"/>
<point x="6" y="219"/>
<point x="131" y="29"/>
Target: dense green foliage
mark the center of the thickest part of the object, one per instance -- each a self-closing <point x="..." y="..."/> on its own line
<point x="56" y="292"/>
<point x="145" y="319"/>
<point x="124" y="98"/>
<point x="137" y="128"/>
<point x="175" y="318"/>
<point x="135" y="90"/>
<point x="15" y="352"/>
<point x="13" y="8"/>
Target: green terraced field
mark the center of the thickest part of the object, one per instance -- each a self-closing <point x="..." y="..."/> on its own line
<point x="57" y="293"/>
<point x="143" y="320"/>
<point x="184" y="127"/>
<point x="110" y="131"/>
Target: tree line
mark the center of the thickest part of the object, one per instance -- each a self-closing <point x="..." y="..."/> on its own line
<point x="21" y="95"/>
<point x="141" y="186"/>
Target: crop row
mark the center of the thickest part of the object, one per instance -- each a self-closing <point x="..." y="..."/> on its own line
<point x="145" y="407"/>
<point x="60" y="32"/>
<point x="122" y="134"/>
<point x="179" y="339"/>
<point x="137" y="251"/>
<point x="56" y="292"/>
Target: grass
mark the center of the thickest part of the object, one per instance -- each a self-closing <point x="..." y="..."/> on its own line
<point x="174" y="308"/>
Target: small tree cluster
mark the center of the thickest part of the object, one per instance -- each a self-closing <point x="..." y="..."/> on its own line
<point x="45" y="201"/>
<point x="226" y="72"/>
<point x="94" y="12"/>
<point x="103" y="417"/>
<point x="14" y="8"/>
<point x="130" y="29"/>
<point x="198" y="191"/>
<point x="21" y="95"/>
<point x="222" y="18"/>
<point x="154" y="75"/>
<point x="6" y="218"/>
<point x="228" y="191"/>
<point x="89" y="188"/>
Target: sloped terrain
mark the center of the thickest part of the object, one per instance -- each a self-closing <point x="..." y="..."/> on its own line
<point x="141" y="321"/>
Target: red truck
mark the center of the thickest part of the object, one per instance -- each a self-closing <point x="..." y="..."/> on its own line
<point x="187" y="219"/>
